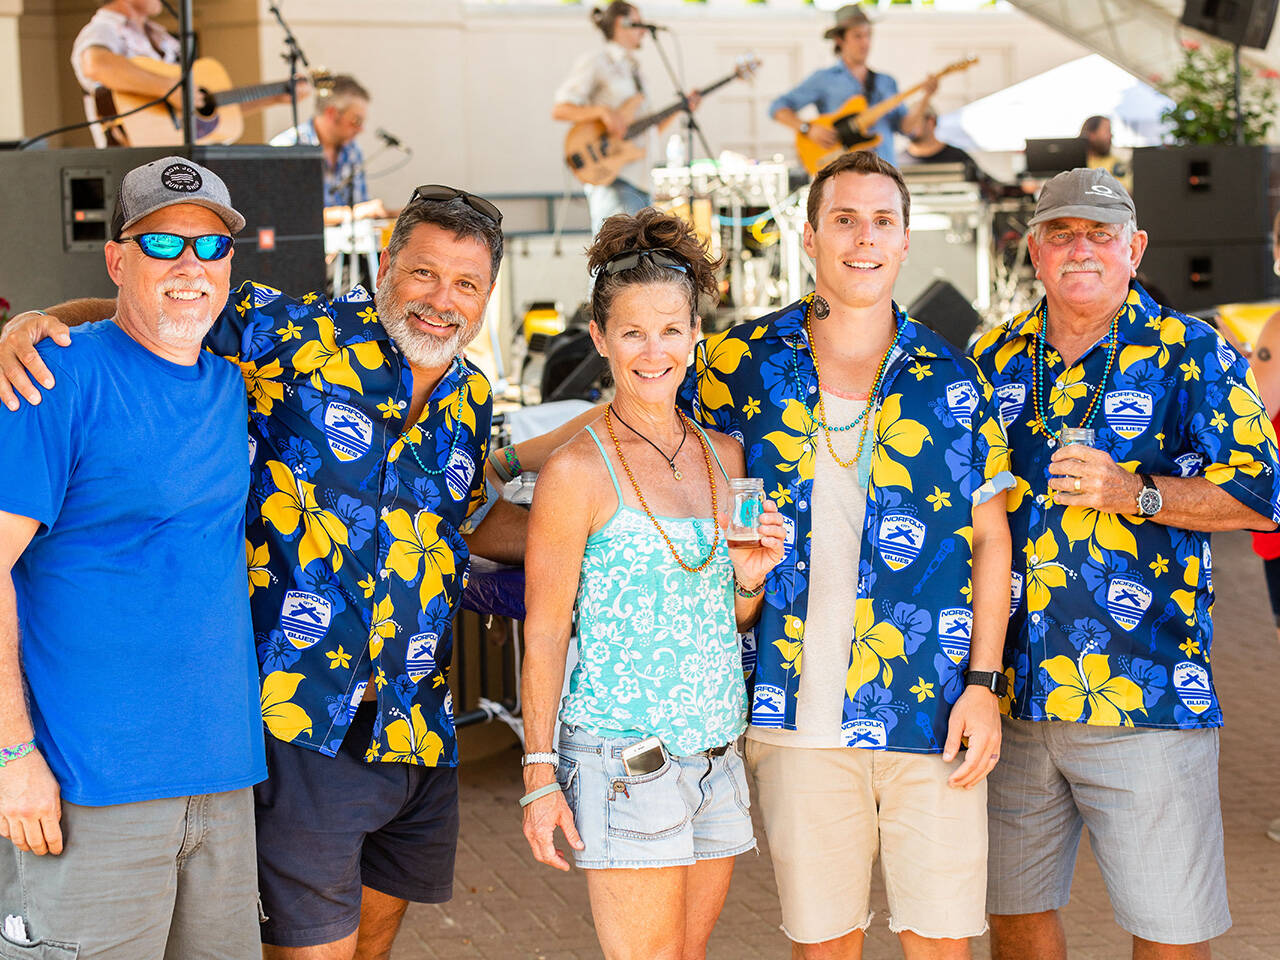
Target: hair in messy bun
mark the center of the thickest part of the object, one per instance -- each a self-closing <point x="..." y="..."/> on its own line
<point x="606" y="18"/>
<point x="649" y="229"/>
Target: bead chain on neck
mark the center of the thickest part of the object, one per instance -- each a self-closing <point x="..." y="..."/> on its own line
<point x="463" y="389"/>
<point x="817" y="413"/>
<point x="711" y="478"/>
<point x="1040" y="373"/>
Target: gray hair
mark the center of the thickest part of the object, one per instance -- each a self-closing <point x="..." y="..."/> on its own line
<point x="452" y="215"/>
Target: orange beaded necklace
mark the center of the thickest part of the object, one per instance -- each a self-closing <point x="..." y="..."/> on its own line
<point x="711" y="478"/>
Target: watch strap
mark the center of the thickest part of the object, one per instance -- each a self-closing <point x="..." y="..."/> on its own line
<point x="1148" y="483"/>
<point x="995" y="681"/>
<point x="530" y="758"/>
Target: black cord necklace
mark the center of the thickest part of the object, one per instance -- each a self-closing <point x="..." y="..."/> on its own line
<point x="671" y="460"/>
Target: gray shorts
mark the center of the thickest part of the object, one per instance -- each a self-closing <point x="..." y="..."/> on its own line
<point x="1150" y="800"/>
<point x="172" y="879"/>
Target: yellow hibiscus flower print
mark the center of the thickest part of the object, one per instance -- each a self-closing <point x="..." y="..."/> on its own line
<point x="895" y="434"/>
<point x="418" y="547"/>
<point x="383" y="627"/>
<point x="1088" y="689"/>
<point x="796" y="444"/>
<point x="284" y="719"/>
<point x="262" y="384"/>
<point x="1066" y="390"/>
<point x="1104" y="531"/>
<point x="326" y="361"/>
<point x="416" y="744"/>
<point x="719" y="356"/>
<point x="1044" y="573"/>
<point x="256" y="559"/>
<point x="294" y="503"/>
<point x="1251" y="427"/>
<point x="875" y="645"/>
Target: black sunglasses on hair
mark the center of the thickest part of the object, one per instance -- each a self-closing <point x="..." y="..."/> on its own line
<point x="170" y="246"/>
<point x="439" y="193"/>
<point x="630" y="259"/>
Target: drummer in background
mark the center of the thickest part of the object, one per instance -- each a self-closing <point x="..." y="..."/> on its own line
<point x="341" y="106"/>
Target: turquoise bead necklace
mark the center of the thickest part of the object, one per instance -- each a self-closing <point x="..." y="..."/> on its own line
<point x="1039" y="375"/>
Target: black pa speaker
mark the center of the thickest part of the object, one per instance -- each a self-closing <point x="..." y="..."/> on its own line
<point x="64" y="199"/>
<point x="944" y="310"/>
<point x="1246" y="22"/>
<point x="1203" y="194"/>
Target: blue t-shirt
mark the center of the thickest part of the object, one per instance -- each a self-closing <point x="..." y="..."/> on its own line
<point x="133" y="597"/>
<point x="829" y="88"/>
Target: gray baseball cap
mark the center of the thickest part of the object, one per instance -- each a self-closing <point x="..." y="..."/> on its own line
<point x="1090" y="194"/>
<point x="168" y="181"/>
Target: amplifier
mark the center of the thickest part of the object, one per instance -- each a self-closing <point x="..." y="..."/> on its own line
<point x="64" y="200"/>
<point x="1193" y="277"/>
<point x="1205" y="193"/>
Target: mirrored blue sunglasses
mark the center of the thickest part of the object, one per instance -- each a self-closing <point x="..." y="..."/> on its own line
<point x="170" y="246"/>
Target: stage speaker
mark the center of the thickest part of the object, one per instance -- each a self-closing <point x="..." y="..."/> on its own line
<point x="1246" y="22"/>
<point x="943" y="309"/>
<point x="60" y="204"/>
<point x="1205" y="193"/>
<point x="1194" y="277"/>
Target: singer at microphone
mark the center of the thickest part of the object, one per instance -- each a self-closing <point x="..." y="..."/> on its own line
<point x="341" y="107"/>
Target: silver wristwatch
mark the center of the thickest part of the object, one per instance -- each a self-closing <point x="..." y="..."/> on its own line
<point x="1149" y="499"/>
<point x="551" y="758"/>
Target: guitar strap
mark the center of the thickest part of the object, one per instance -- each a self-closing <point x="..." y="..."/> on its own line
<point x="869" y="86"/>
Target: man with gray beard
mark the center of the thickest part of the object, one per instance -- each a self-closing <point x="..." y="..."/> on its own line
<point x="367" y="436"/>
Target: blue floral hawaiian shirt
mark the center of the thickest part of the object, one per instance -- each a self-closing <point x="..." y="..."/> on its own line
<point x="356" y="561"/>
<point x="939" y="448"/>
<point x="1112" y="617"/>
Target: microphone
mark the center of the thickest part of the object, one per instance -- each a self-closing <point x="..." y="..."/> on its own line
<point x="390" y="140"/>
<point x="651" y="27"/>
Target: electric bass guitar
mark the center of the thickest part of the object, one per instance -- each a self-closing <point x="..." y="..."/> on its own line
<point x="595" y="156"/>
<point x="218" y="121"/>
<point x="853" y="121"/>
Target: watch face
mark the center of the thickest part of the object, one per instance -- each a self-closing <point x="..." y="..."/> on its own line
<point x="1149" y="501"/>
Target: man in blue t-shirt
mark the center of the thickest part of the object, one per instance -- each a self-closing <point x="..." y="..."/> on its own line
<point x="829" y="88"/>
<point x="130" y="722"/>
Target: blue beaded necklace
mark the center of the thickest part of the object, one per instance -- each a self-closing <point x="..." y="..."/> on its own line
<point x="1039" y="376"/>
<point x="463" y="390"/>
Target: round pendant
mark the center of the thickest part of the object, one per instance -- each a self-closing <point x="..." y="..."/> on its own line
<point x="678" y="474"/>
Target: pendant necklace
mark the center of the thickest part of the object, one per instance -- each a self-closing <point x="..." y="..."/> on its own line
<point x="671" y="460"/>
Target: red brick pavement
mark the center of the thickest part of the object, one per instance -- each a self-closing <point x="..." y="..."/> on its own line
<point x="507" y="907"/>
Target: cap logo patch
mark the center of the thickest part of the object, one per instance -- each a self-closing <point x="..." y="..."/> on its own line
<point x="181" y="178"/>
<point x="1103" y="190"/>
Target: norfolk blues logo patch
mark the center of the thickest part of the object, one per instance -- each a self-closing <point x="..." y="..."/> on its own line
<point x="1191" y="681"/>
<point x="1012" y="397"/>
<point x="1226" y="356"/>
<point x="962" y="400"/>
<point x="420" y="659"/>
<point x="1015" y="592"/>
<point x="866" y="733"/>
<point x="356" y="696"/>
<point x="955" y="626"/>
<point x="900" y="538"/>
<point x="304" y="618"/>
<point x="348" y="431"/>
<point x="767" y="705"/>
<point x="1128" y="412"/>
<point x="459" y="471"/>
<point x="253" y="450"/>
<point x="1189" y="464"/>
<point x="1127" y="601"/>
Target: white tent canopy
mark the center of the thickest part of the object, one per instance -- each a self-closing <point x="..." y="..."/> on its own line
<point x="1054" y="104"/>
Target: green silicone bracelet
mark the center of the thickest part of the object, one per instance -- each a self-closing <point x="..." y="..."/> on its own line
<point x="538" y="794"/>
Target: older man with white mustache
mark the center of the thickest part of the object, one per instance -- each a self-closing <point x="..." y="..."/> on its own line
<point x="1134" y="431"/>
<point x="367" y="438"/>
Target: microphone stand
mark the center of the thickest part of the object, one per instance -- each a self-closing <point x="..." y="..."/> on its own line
<point x="692" y="127"/>
<point x="188" y="82"/>
<point x="292" y="56"/>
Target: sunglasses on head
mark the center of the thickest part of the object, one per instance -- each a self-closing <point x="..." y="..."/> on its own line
<point x="170" y="246"/>
<point x="630" y="259"/>
<point x="439" y="193"/>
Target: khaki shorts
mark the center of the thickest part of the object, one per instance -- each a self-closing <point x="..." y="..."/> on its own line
<point x="828" y="811"/>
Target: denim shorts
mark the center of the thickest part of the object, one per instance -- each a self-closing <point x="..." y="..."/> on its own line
<point x="689" y="809"/>
<point x="1150" y="800"/>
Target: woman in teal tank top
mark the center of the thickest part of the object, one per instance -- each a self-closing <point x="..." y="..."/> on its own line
<point x="626" y="536"/>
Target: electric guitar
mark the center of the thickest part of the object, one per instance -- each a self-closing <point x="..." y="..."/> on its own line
<point x="852" y="121"/>
<point x="218" y="121"/>
<point x="595" y="156"/>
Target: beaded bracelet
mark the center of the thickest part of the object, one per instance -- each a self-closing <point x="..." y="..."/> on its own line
<point x="13" y="753"/>
<point x="743" y="592"/>
<point x="508" y="467"/>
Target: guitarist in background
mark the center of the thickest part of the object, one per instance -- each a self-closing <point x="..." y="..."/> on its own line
<point x="830" y="87"/>
<point x="606" y="86"/>
<point x="100" y="57"/>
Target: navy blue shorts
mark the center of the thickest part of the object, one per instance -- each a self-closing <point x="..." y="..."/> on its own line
<point x="1272" y="570"/>
<point x="329" y="825"/>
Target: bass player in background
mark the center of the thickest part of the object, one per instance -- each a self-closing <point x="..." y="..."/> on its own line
<point x="102" y="60"/>
<point x="607" y="86"/>
<point x="830" y="87"/>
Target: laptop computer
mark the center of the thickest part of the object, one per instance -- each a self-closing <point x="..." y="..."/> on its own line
<point x="1048" y="157"/>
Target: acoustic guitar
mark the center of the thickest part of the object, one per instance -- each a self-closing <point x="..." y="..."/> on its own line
<point x="218" y="121"/>
<point x="852" y="122"/>
<point x="594" y="156"/>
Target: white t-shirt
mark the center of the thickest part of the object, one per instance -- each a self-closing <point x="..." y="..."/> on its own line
<point x="608" y="78"/>
<point x="839" y="506"/>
